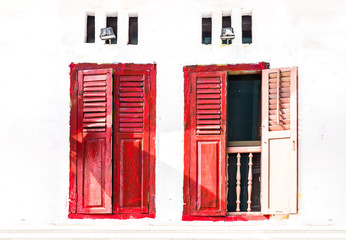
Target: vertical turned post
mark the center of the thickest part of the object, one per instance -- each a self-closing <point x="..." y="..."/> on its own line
<point x="238" y="183"/>
<point x="249" y="184"/>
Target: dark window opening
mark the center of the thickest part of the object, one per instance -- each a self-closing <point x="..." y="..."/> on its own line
<point x="246" y="29"/>
<point x="113" y="23"/>
<point x="244" y="108"/>
<point x="232" y="182"/>
<point x="90" y="38"/>
<point x="206" y="30"/>
<point x="226" y="23"/>
<point x="133" y="30"/>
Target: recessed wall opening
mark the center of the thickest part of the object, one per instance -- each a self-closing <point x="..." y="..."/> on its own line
<point x="90" y="31"/>
<point x="244" y="107"/>
<point x="226" y="23"/>
<point x="246" y="29"/>
<point x="113" y="23"/>
<point x="133" y="30"/>
<point x="206" y="30"/>
<point x="243" y="132"/>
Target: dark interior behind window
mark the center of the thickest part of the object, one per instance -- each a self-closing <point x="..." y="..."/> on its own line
<point x="243" y="107"/>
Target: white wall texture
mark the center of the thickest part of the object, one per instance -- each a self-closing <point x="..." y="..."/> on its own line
<point x="40" y="38"/>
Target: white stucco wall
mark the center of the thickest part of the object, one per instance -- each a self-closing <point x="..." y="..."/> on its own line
<point x="39" y="39"/>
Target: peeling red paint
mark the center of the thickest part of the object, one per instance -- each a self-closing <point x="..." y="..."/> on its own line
<point x="149" y="69"/>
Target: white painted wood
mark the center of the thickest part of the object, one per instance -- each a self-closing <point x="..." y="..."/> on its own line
<point x="279" y="156"/>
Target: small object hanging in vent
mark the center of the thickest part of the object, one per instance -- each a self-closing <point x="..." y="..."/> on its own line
<point x="107" y="33"/>
<point x="227" y="34"/>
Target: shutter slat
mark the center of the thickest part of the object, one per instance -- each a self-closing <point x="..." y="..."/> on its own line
<point x="93" y="115"/>
<point x="130" y="84"/>
<point x="131" y="89"/>
<point x="94" y="94"/>
<point x="131" y="115"/>
<point x="214" y="116"/>
<point x="208" y="80"/>
<point x="217" y="96"/>
<point x="210" y="91"/>
<point x="130" y="110"/>
<point x="208" y="111"/>
<point x="131" y="99"/>
<point x="95" y="84"/>
<point x="94" y="99"/>
<point x="95" y="78"/>
<point x="95" y="120"/>
<point x="95" y="89"/>
<point x="208" y="122"/>
<point x="217" y="86"/>
<point x="209" y="101"/>
<point x="131" y="104"/>
<point x="95" y="104"/>
<point x="209" y="106"/>
<point x="123" y="120"/>
<point x="131" y="94"/>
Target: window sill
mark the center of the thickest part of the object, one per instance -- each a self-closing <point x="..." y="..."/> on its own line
<point x="110" y="216"/>
<point x="233" y="218"/>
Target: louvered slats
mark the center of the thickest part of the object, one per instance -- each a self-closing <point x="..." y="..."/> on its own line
<point x="94" y="103"/>
<point x="279" y="100"/>
<point x="131" y="103"/>
<point x="208" y="106"/>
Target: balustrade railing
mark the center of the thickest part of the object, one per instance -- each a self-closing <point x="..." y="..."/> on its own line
<point x="239" y="151"/>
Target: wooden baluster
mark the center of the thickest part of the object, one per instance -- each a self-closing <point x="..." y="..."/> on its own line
<point x="238" y="183"/>
<point x="249" y="184"/>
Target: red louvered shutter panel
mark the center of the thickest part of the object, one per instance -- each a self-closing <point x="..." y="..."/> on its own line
<point x="94" y="156"/>
<point x="279" y="141"/>
<point x="131" y="146"/>
<point x="205" y="143"/>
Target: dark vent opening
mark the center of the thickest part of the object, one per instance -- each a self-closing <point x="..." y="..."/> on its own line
<point x="90" y="38"/>
<point x="133" y="30"/>
<point x="206" y="30"/>
<point x="246" y="29"/>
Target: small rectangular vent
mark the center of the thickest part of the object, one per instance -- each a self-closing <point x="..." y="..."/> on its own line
<point x="208" y="107"/>
<point x="131" y="103"/>
<point x="279" y="100"/>
<point x="94" y="103"/>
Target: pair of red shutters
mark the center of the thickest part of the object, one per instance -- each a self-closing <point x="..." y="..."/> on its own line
<point x="112" y="140"/>
<point x="205" y="157"/>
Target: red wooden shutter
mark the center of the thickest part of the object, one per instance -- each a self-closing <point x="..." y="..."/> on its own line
<point x="279" y="141"/>
<point x="131" y="147"/>
<point x="94" y="156"/>
<point x="205" y="143"/>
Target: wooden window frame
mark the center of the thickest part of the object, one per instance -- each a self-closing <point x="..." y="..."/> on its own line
<point x="149" y="69"/>
<point x="237" y="69"/>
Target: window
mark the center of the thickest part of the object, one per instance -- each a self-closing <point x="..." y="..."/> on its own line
<point x="133" y="30"/>
<point x="90" y="31"/>
<point x="240" y="141"/>
<point x="113" y="23"/>
<point x="112" y="141"/>
<point x="246" y="29"/>
<point x="206" y="30"/>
